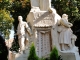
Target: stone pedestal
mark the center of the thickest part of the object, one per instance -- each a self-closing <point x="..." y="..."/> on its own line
<point x="70" y="55"/>
<point x="22" y="56"/>
<point x="44" y="25"/>
<point x="11" y="56"/>
<point x="18" y="56"/>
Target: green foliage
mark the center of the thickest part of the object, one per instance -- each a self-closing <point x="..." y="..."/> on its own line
<point x="32" y="53"/>
<point x="15" y="45"/>
<point x="44" y="58"/>
<point x="19" y="7"/>
<point x="70" y="7"/>
<point x="6" y="22"/>
<point x="54" y="54"/>
<point x="5" y="4"/>
<point x="14" y="8"/>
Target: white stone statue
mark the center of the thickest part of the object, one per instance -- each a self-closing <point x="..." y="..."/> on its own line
<point x="44" y="5"/>
<point x="73" y="39"/>
<point x="23" y="32"/>
<point x="56" y="20"/>
<point x="65" y="33"/>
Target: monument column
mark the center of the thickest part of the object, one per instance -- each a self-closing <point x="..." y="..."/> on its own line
<point x="45" y="5"/>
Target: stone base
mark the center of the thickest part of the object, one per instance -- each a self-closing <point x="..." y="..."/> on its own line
<point x="70" y="55"/>
<point x="18" y="56"/>
<point x="22" y="56"/>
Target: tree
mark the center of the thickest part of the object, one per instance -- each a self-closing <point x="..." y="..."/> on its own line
<point x="70" y="7"/>
<point x="32" y="53"/>
<point x="6" y="22"/>
<point x="54" y="54"/>
<point x="15" y="46"/>
<point x="19" y="7"/>
<point x="15" y="8"/>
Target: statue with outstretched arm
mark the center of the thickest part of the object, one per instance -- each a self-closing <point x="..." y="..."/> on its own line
<point x="23" y="32"/>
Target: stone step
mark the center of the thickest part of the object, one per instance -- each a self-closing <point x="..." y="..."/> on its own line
<point x="22" y="56"/>
<point x="70" y="55"/>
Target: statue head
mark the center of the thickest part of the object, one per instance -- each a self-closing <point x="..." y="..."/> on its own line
<point x="20" y="18"/>
<point x="65" y="16"/>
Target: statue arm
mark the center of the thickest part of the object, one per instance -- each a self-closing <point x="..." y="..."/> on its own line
<point x="66" y="23"/>
<point x="28" y="29"/>
<point x="17" y="31"/>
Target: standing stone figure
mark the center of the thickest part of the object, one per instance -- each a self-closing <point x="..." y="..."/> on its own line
<point x="56" y="20"/>
<point x="65" y="33"/>
<point x="22" y="31"/>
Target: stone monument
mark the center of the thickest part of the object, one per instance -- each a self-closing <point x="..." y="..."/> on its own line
<point x="49" y="30"/>
<point x="44" y="21"/>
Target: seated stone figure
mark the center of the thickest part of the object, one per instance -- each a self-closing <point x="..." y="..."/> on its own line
<point x="65" y="33"/>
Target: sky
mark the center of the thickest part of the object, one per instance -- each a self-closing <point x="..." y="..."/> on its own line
<point x="11" y="33"/>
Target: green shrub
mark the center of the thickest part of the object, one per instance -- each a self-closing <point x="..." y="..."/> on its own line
<point x="32" y="53"/>
<point x="15" y="44"/>
<point x="54" y="54"/>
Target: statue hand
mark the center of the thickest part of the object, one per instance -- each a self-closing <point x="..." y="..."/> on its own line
<point x="70" y="24"/>
<point x="50" y="10"/>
